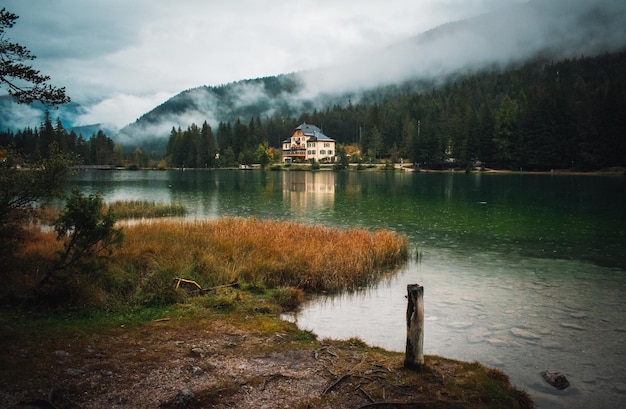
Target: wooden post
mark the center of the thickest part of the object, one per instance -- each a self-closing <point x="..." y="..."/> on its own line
<point x="414" y="357"/>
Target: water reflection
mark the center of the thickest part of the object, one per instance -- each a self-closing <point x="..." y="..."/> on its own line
<point x="308" y="191"/>
<point x="522" y="272"/>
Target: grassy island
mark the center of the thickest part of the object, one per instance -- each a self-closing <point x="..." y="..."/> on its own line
<point x="187" y="314"/>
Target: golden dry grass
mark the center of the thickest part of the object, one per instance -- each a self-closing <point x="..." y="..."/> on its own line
<point x="262" y="253"/>
<point x="259" y="254"/>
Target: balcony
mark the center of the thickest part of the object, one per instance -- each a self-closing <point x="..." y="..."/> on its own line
<point x="294" y="152"/>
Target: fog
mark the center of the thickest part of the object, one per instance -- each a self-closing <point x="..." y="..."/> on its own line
<point x="512" y="34"/>
<point x="500" y="39"/>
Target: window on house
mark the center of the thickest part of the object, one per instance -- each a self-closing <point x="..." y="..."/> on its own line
<point x="322" y="152"/>
<point x="330" y="152"/>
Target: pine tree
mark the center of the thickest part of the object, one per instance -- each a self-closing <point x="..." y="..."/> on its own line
<point x="23" y="82"/>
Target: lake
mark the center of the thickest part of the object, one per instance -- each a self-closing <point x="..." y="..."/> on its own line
<point x="521" y="272"/>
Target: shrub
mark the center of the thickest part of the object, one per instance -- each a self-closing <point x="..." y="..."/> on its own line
<point x="289" y="298"/>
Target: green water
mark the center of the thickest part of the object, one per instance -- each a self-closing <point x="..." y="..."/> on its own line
<point x="555" y="216"/>
<point x="500" y="255"/>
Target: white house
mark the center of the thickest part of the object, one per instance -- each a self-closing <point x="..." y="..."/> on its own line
<point x="308" y="142"/>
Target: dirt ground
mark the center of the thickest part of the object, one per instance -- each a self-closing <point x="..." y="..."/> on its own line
<point x="212" y="364"/>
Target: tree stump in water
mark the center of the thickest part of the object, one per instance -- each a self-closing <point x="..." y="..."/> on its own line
<point x="414" y="357"/>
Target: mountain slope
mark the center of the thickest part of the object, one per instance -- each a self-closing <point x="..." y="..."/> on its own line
<point x="548" y="29"/>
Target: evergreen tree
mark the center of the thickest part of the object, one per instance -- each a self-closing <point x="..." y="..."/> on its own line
<point x="21" y="80"/>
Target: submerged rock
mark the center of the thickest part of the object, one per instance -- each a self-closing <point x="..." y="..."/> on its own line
<point x="556" y="379"/>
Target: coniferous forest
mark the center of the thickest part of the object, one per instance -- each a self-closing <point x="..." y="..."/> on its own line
<point x="568" y="114"/>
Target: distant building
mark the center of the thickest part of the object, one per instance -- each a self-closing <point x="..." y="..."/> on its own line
<point x="308" y="142"/>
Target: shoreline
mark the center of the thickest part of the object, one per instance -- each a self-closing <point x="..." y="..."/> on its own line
<point x="615" y="171"/>
<point x="185" y="358"/>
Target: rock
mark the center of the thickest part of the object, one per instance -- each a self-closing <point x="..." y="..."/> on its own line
<point x="61" y="354"/>
<point x="556" y="379"/>
<point x="197" y="351"/>
<point x="522" y="333"/>
<point x="75" y="371"/>
<point x="184" y="397"/>
<point x="195" y="370"/>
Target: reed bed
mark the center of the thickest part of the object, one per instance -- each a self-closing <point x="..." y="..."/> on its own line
<point x="133" y="209"/>
<point x="261" y="255"/>
<point x="267" y="254"/>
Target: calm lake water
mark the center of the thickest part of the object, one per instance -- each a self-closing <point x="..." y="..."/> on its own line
<point x="521" y="272"/>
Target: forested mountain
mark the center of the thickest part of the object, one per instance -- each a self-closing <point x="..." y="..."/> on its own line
<point x="539" y="85"/>
<point x="499" y="67"/>
<point x="35" y="144"/>
<point x="569" y="114"/>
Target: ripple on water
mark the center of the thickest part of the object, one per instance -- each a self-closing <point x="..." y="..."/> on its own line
<point x="572" y="326"/>
<point x="522" y="333"/>
<point x="460" y="325"/>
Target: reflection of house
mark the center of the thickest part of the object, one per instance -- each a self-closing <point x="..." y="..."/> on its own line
<point x="309" y="194"/>
<point x="308" y="142"/>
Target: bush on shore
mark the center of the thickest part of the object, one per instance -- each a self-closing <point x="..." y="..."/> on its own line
<point x="271" y="255"/>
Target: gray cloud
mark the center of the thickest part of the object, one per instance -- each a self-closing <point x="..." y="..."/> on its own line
<point x="559" y="28"/>
<point x="126" y="53"/>
<point x="120" y="59"/>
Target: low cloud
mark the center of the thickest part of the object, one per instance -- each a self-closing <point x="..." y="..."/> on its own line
<point x="135" y="56"/>
<point x="119" y="109"/>
<point x="559" y="28"/>
<point x="506" y="37"/>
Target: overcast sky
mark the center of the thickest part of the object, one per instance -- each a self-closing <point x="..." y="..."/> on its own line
<point x="121" y="58"/>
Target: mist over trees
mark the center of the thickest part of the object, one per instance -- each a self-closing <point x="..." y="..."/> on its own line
<point x="568" y="114"/>
<point x="36" y="144"/>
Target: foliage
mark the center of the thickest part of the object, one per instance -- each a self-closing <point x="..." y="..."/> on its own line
<point x="343" y="160"/>
<point x="289" y="298"/>
<point x="264" y="154"/>
<point x="22" y="81"/>
<point x="88" y="234"/>
<point x="542" y="115"/>
<point x="260" y="255"/>
<point x="23" y="188"/>
<point x="193" y="148"/>
<point x="36" y="144"/>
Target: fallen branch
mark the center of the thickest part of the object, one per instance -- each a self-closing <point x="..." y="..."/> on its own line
<point x="367" y="395"/>
<point x="337" y="382"/>
<point x="341" y="378"/>
<point x="217" y="287"/>
<point x="423" y="404"/>
<point x="273" y="377"/>
<point x="413" y="405"/>
<point x="180" y="281"/>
